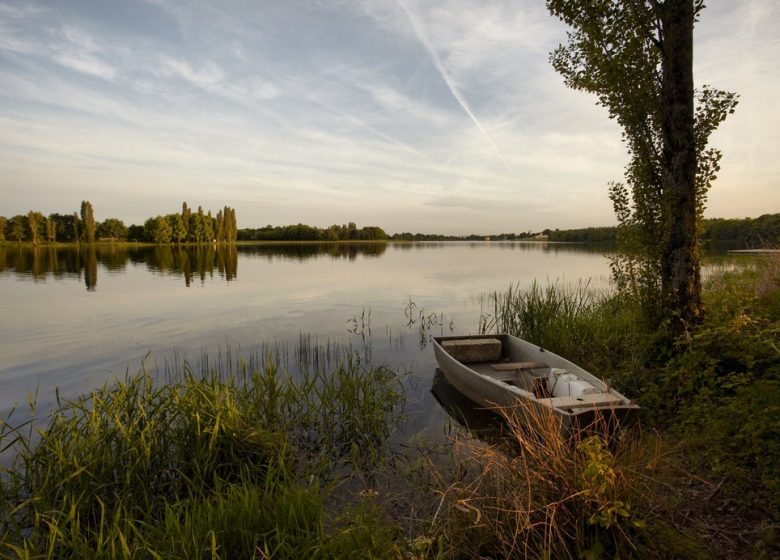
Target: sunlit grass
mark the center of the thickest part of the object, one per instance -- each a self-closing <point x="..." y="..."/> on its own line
<point x="212" y="465"/>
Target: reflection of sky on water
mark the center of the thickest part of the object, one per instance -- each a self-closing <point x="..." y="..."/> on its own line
<point x="55" y="332"/>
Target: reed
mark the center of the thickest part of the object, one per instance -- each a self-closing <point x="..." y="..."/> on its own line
<point x="537" y="494"/>
<point x="212" y="465"/>
<point x="599" y="330"/>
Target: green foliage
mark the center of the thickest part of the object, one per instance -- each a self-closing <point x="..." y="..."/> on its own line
<point x="3" y="223"/>
<point x="16" y="228"/>
<point x="112" y="228"/>
<point x="302" y="232"/>
<point x="216" y="466"/>
<point x="35" y="223"/>
<point x="88" y="225"/>
<point x="590" y="235"/>
<point x="763" y="231"/>
<point x="176" y="223"/>
<point x="718" y="394"/>
<point x="362" y="532"/>
<point x="158" y="230"/>
<point x="616" y="50"/>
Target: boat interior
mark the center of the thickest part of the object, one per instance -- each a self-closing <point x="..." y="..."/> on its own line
<point x="491" y="358"/>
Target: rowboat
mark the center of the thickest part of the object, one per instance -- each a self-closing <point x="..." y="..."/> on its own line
<point x="506" y="373"/>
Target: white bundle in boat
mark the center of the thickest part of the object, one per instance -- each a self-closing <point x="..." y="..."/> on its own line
<point x="563" y="383"/>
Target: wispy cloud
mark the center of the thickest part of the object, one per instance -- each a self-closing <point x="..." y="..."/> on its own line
<point x="391" y="111"/>
<point x="423" y="37"/>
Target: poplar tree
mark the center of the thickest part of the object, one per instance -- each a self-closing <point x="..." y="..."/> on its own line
<point x="88" y="221"/>
<point x="178" y="230"/>
<point x="163" y="232"/>
<point x="637" y="57"/>
<point x="32" y="227"/>
<point x="219" y="227"/>
<point x="76" y="227"/>
<point x="233" y="229"/>
<point x="51" y="229"/>
<point x="186" y="213"/>
<point x="208" y="228"/>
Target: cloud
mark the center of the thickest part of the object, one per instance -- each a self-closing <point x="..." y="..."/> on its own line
<point x="204" y="76"/>
<point x="86" y="64"/>
<point x="422" y="36"/>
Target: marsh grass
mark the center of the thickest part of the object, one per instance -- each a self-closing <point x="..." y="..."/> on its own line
<point x="211" y="465"/>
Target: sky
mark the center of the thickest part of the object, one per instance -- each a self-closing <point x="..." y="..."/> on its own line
<point x="415" y="115"/>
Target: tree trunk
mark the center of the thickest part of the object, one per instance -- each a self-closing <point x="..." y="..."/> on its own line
<point x="681" y="275"/>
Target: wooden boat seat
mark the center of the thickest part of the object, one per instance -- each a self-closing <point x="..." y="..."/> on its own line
<point x="511" y="366"/>
<point x="583" y="401"/>
<point x="473" y="350"/>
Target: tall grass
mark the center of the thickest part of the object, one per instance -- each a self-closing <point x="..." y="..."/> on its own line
<point x="214" y="465"/>
<point x="535" y="495"/>
<point x="599" y="330"/>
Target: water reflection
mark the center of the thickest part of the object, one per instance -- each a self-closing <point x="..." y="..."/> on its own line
<point x="472" y="416"/>
<point x="306" y="251"/>
<point x="40" y="263"/>
<point x="189" y="262"/>
<point x="522" y="246"/>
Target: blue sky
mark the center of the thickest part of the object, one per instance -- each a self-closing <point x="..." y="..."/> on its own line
<point x="415" y="115"/>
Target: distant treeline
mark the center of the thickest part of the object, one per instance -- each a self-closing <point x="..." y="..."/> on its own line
<point x="406" y="236"/>
<point x="588" y="235"/>
<point x="81" y="227"/>
<point x="302" y="232"/>
<point x="751" y="232"/>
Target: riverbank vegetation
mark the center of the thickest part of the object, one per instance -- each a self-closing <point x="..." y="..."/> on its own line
<point x="210" y="465"/>
<point x="712" y="398"/>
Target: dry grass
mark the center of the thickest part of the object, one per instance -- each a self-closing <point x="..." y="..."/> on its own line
<point x="540" y="495"/>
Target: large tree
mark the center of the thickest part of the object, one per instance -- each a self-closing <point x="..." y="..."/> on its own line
<point x="637" y="57"/>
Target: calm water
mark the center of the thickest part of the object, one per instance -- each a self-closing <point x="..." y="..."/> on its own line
<point x="73" y="318"/>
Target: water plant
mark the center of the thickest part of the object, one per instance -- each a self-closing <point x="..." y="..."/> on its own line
<point x="211" y="465"/>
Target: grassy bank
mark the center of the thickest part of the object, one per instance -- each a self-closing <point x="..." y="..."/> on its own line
<point x="206" y="466"/>
<point x="714" y="486"/>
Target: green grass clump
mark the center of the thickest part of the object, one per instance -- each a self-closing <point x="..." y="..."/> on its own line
<point x="205" y="466"/>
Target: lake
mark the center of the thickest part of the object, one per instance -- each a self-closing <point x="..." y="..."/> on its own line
<point x="73" y="318"/>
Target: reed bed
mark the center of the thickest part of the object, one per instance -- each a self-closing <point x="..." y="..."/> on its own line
<point x="212" y="465"/>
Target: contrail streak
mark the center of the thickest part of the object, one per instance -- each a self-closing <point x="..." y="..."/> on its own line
<point x="351" y="118"/>
<point x="423" y="38"/>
